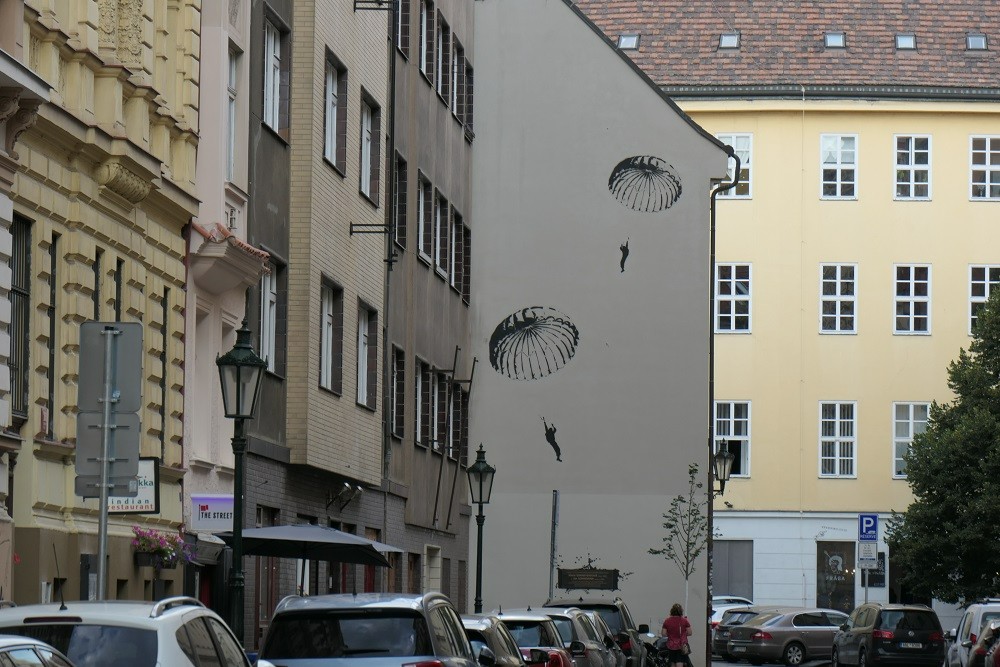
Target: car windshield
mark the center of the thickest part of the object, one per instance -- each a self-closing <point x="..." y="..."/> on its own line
<point x="612" y="618"/>
<point x="95" y="645"/>
<point x="765" y="618"/>
<point x="987" y="617"/>
<point x="565" y="628"/>
<point x="528" y="633"/>
<point x="737" y="616"/>
<point x="338" y="633"/>
<point x="899" y="619"/>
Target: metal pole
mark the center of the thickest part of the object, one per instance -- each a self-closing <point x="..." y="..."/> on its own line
<point x="106" y="404"/>
<point x="236" y="583"/>
<point x="480" y="519"/>
<point x="552" y="542"/>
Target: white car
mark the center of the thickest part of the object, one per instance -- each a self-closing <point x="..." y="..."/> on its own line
<point x="719" y="608"/>
<point x="730" y="599"/>
<point x="175" y="632"/>
<point x="27" y="651"/>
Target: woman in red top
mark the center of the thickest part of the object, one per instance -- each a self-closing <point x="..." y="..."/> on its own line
<point x="676" y="629"/>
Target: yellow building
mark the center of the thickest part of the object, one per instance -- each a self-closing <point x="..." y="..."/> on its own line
<point x="850" y="258"/>
<point x="105" y="187"/>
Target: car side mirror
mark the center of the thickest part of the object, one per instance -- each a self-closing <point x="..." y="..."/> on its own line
<point x="609" y="641"/>
<point x="967" y="644"/>
<point x="486" y="657"/>
<point x="950" y="635"/>
<point x="644" y="629"/>
<point x="844" y="626"/>
<point x="577" y="649"/>
<point x="538" y="656"/>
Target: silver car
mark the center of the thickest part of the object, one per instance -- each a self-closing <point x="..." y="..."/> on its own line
<point x="793" y="636"/>
<point x="586" y="644"/>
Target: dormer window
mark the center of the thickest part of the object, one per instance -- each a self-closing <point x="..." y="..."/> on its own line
<point x="975" y="42"/>
<point x="906" y="42"/>
<point x="729" y="40"/>
<point x="835" y="40"/>
<point x="628" y="42"/>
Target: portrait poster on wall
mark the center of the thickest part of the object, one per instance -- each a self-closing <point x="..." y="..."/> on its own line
<point x="835" y="575"/>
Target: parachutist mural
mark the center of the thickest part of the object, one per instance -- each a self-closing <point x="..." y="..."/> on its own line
<point x="624" y="249"/>
<point x="550" y="436"/>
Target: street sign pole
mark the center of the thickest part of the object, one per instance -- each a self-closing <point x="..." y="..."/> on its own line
<point x="107" y="402"/>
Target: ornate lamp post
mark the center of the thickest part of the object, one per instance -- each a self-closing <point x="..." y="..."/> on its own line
<point x="722" y="466"/>
<point x="481" y="486"/>
<point x="240" y="370"/>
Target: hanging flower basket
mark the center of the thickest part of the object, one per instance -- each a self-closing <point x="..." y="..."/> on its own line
<point x="159" y="550"/>
<point x="147" y="559"/>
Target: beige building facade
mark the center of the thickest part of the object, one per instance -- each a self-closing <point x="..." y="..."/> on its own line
<point x="104" y="190"/>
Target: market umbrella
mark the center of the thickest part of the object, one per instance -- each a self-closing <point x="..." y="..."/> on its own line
<point x="309" y="542"/>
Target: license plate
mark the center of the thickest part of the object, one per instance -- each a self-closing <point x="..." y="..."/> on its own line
<point x="739" y="649"/>
<point x="910" y="645"/>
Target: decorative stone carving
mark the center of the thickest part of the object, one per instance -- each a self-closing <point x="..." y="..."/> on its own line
<point x="130" y="32"/>
<point x="22" y="119"/>
<point x="107" y="26"/>
<point x="234" y="11"/>
<point x="8" y="102"/>
<point x="122" y="181"/>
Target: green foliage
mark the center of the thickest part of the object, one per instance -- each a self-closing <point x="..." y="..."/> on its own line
<point x="686" y="526"/>
<point x="945" y="541"/>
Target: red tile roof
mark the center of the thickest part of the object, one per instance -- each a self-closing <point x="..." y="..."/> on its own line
<point x="781" y="41"/>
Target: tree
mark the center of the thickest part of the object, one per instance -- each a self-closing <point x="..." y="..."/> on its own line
<point x="945" y="541"/>
<point x="686" y="523"/>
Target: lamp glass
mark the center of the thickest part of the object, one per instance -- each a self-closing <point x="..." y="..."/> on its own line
<point x="723" y="462"/>
<point x="481" y="479"/>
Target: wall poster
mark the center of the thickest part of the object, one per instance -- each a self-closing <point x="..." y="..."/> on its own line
<point x="835" y="576"/>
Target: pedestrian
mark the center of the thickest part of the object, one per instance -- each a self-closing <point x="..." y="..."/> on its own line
<point x="676" y="628"/>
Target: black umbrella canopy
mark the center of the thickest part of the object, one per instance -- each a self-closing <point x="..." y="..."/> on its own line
<point x="309" y="542"/>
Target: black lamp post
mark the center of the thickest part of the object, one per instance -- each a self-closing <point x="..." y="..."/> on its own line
<point x="481" y="486"/>
<point x="240" y="370"/>
<point x="722" y="465"/>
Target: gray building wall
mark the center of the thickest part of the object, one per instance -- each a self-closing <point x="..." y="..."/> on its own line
<point x="616" y="360"/>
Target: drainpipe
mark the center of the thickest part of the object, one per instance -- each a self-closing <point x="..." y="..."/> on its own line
<point x="711" y="393"/>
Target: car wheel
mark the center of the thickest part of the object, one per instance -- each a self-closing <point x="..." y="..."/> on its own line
<point x="835" y="659"/>
<point x="795" y="654"/>
<point x="862" y="659"/>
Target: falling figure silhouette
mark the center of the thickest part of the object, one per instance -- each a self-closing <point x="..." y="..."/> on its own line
<point x="550" y="436"/>
<point x="624" y="249"/>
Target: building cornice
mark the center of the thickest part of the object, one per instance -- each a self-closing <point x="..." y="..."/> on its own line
<point x="817" y="91"/>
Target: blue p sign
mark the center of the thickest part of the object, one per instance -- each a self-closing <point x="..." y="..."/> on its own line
<point x="868" y="527"/>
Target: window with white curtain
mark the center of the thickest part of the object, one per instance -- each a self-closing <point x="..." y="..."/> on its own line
<point x="985" y="167"/>
<point x="908" y="420"/>
<point x="839" y="165"/>
<point x="912" y="299"/>
<point x="331" y="338"/>
<point x="732" y="431"/>
<point x="913" y="166"/>
<point x="366" y="149"/>
<point x="269" y="316"/>
<point x="332" y="109"/>
<point x="367" y="356"/>
<point x="837" y="439"/>
<point x="272" y="75"/>
<point x="742" y="144"/>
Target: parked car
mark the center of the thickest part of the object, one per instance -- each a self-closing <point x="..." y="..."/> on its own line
<point x="619" y="619"/>
<point x="609" y="638"/>
<point x="890" y="634"/>
<point x="579" y="637"/>
<point x="176" y="631"/>
<point x="488" y="633"/>
<point x="368" y="629"/>
<point x="730" y="619"/>
<point x="993" y="654"/>
<point x="720" y="608"/>
<point x="971" y="625"/>
<point x="18" y="651"/>
<point x="533" y="630"/>
<point x="731" y="599"/>
<point x="984" y="642"/>
<point x="791" y="635"/>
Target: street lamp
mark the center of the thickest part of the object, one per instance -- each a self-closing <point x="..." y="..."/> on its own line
<point x="240" y="371"/>
<point x="722" y="466"/>
<point x="481" y="486"/>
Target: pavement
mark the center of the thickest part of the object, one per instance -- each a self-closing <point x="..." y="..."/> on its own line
<point x="719" y="662"/>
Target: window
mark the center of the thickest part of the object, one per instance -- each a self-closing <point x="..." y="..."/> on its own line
<point x="913" y="299"/>
<point x="455" y="421"/>
<point x="628" y="42"/>
<point x="913" y="167"/>
<point x="837" y="440"/>
<point x="20" y="317"/>
<point x="908" y="419"/>
<point x="440" y="232"/>
<point x="440" y="412"/>
<point x="986" y="167"/>
<point x="975" y="42"/>
<point x="272" y="75"/>
<point x="837" y="298"/>
<point x="427" y="38"/>
<point x="53" y="317"/>
<point x="119" y="279"/>
<point x="367" y="356"/>
<point x="466" y="264"/>
<point x="422" y="412"/>
<point x="839" y="164"/>
<point x="403" y="27"/>
<point x="398" y="388"/>
<point x="467" y="117"/>
<point x="742" y="146"/>
<point x="97" y="270"/>
<point x="457" y="60"/>
<point x="732" y="298"/>
<point x="982" y="281"/>
<point x="399" y="214"/>
<point x="269" y="317"/>
<point x="425" y="214"/>
<point x="906" y="41"/>
<point x="335" y="115"/>
<point x="457" y="250"/>
<point x="835" y="40"/>
<point x="331" y="356"/>
<point x="233" y="79"/>
<point x="729" y="40"/>
<point x="367" y="150"/>
<point x="442" y="63"/>
<point x="732" y="432"/>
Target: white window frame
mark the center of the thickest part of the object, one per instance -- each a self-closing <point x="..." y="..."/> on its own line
<point x="424" y="13"/>
<point x="363" y="345"/>
<point x="418" y="372"/>
<point x="730" y="296"/>
<point x="438" y="56"/>
<point x="844" y="159"/>
<point x="907" y="168"/>
<point x="729" y="427"/>
<point x="990" y="169"/>
<point x="839" y="446"/>
<point x="912" y="299"/>
<point x="331" y="103"/>
<point x="985" y="285"/>
<point x="268" y="316"/>
<point x="327" y="326"/>
<point x="456" y="238"/>
<point x="435" y="444"/>
<point x="441" y="224"/>
<point x="366" y="149"/>
<point x="908" y="419"/>
<point x="453" y="93"/>
<point x="838" y="300"/>
<point x="272" y="75"/>
<point x="742" y="143"/>
<point x="424" y="190"/>
<point x="232" y="75"/>
<point x="398" y="360"/>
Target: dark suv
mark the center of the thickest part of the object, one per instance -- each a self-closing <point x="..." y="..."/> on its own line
<point x="890" y="634"/>
<point x="617" y="616"/>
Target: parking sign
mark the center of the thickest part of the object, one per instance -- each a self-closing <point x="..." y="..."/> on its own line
<point x="868" y="527"/>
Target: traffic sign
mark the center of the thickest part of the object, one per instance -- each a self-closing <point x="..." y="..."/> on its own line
<point x="867" y="555"/>
<point x="89" y="486"/>
<point x="868" y="527"/>
<point x="123" y="446"/>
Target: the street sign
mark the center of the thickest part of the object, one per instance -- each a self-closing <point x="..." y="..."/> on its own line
<point x="123" y="448"/>
<point x="126" y="367"/>
<point x="868" y="527"/>
<point x="867" y="554"/>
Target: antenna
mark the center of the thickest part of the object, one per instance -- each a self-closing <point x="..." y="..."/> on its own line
<point x="62" y="595"/>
